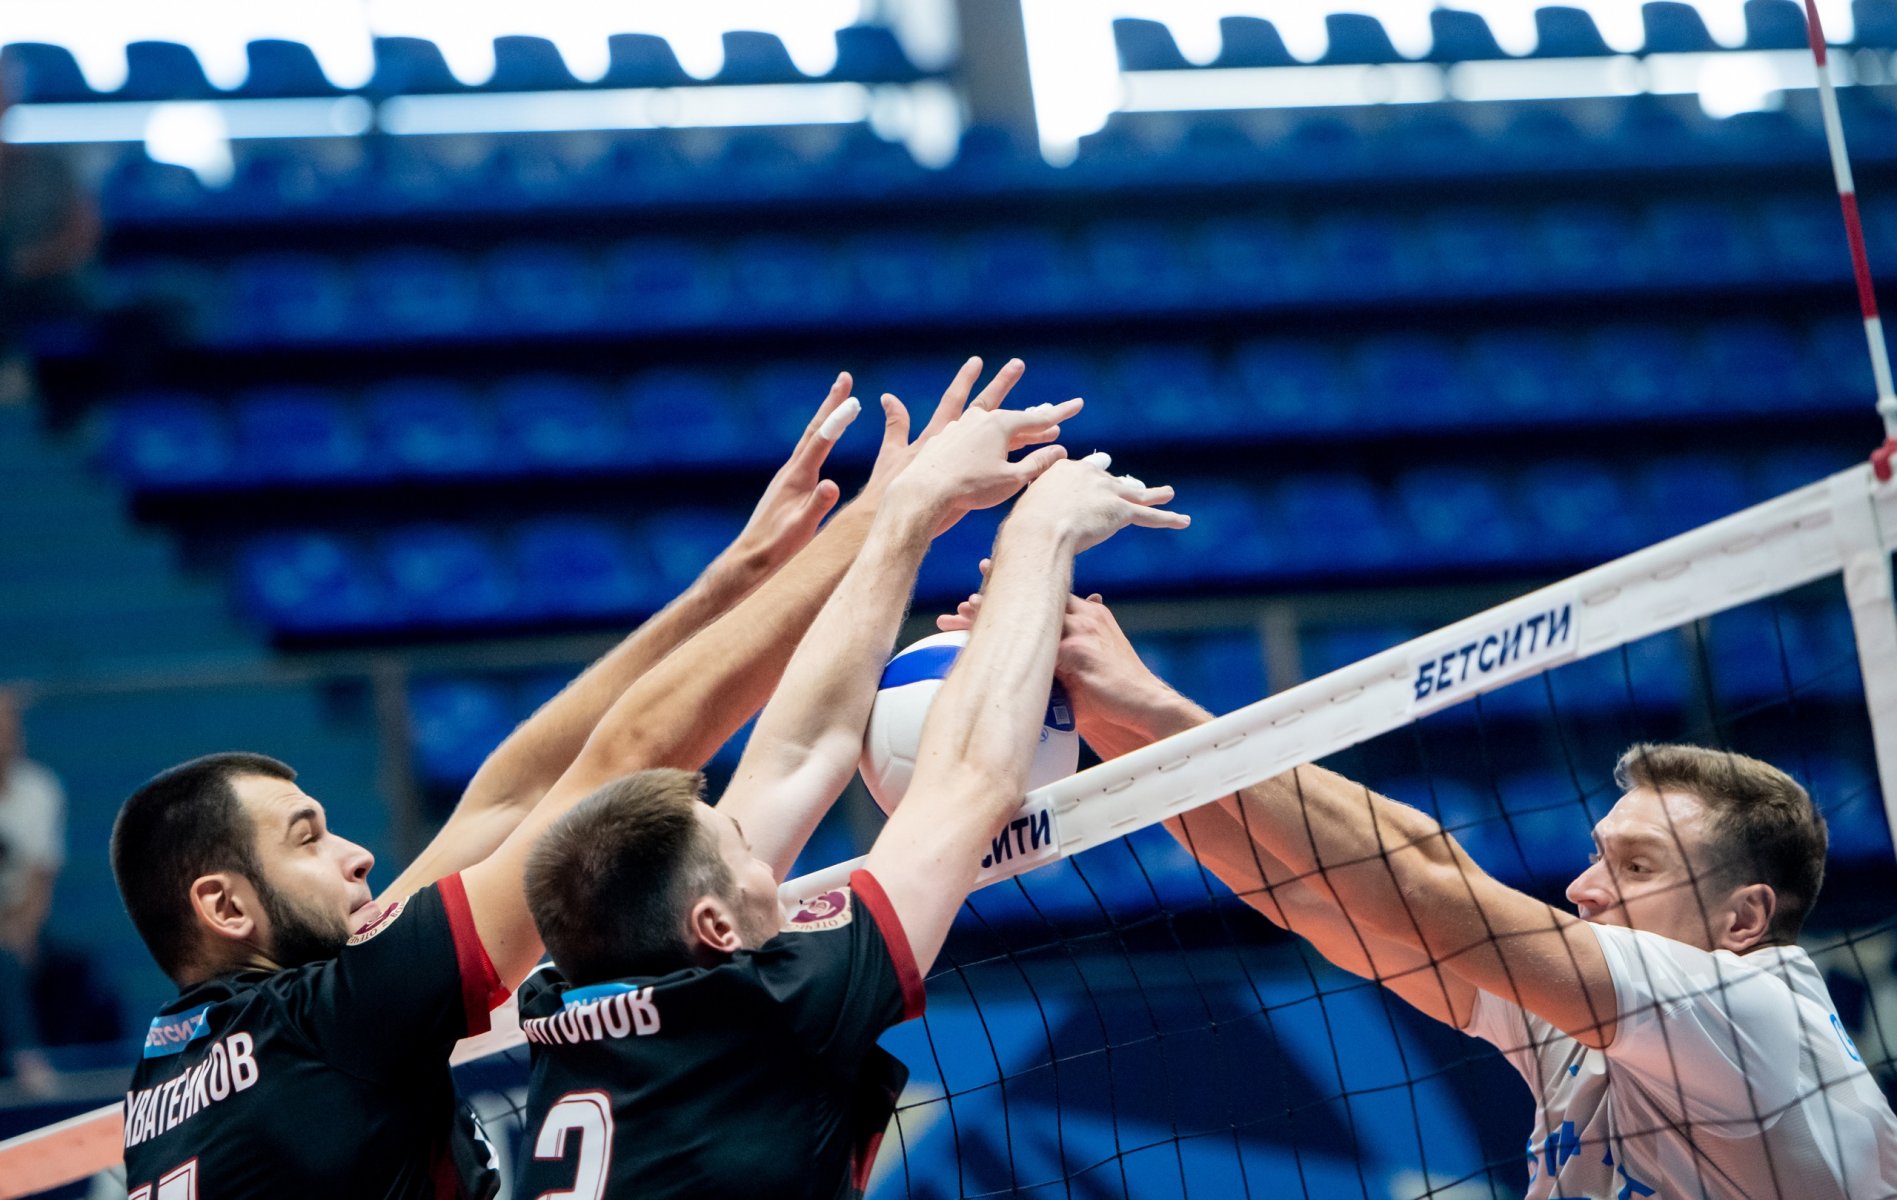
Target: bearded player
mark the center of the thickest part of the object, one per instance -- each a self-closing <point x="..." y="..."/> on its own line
<point x="307" y="1051"/>
<point x="685" y="1047"/>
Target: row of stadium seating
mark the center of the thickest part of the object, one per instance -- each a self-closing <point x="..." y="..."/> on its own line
<point x="1562" y="31"/>
<point x="49" y="74"/>
<point x="1301" y="527"/>
<point x="406" y="177"/>
<point x="1265" y="390"/>
<point x="893" y="278"/>
<point x="406" y="65"/>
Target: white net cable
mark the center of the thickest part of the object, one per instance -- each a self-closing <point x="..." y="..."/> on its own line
<point x="1844" y="527"/>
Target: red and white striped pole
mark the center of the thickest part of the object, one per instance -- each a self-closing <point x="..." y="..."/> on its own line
<point x="1881" y="460"/>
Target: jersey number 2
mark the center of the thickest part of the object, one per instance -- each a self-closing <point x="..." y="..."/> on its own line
<point x="180" y="1183"/>
<point x="589" y="1117"/>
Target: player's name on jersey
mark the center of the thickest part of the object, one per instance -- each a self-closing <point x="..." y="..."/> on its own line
<point x="229" y="1068"/>
<point x="1514" y="646"/>
<point x="609" y="1010"/>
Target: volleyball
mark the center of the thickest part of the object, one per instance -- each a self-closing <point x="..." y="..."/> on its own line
<point x="909" y="685"/>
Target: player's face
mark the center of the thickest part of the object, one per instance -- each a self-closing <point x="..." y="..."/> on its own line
<point x="759" y="917"/>
<point x="315" y="885"/>
<point x="1648" y="855"/>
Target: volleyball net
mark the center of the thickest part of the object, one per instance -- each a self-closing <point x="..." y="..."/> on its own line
<point x="1109" y="1019"/>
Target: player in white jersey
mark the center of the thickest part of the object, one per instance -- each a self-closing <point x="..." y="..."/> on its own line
<point x="1677" y="1041"/>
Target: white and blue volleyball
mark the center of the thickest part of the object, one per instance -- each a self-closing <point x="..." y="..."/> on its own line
<point x="909" y="685"/>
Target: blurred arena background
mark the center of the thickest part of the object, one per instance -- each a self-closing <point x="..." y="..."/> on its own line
<point x="366" y="366"/>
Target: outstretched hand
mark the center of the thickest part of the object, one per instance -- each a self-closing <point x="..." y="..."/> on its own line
<point x="798" y="497"/>
<point x="898" y="452"/>
<point x="1081" y="501"/>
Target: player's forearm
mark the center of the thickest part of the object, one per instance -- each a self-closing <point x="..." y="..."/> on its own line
<point x="688" y="704"/>
<point x="808" y="740"/>
<point x="537" y="753"/>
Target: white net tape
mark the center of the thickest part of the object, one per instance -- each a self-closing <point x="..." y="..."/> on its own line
<point x="1845" y="526"/>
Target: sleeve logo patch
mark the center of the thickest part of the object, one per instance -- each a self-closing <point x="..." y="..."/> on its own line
<point x="379" y="924"/>
<point x="830" y="910"/>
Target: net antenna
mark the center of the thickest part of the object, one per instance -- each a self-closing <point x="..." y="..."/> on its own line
<point x="1881" y="458"/>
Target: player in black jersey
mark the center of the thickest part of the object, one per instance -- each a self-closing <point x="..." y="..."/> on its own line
<point x="694" y="1043"/>
<point x="307" y="1052"/>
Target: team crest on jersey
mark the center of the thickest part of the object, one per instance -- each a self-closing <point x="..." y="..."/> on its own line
<point x="829" y="910"/>
<point x="379" y="924"/>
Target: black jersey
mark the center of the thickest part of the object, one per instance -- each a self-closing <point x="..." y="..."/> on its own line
<point x="324" y="1081"/>
<point x="757" y="1077"/>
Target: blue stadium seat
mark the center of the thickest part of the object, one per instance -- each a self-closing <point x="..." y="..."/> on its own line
<point x="683" y="541"/>
<point x="163" y="71"/>
<point x="1459" y="36"/>
<point x="1805" y="237"/>
<point x="1025" y="269"/>
<point x="150" y="189"/>
<point x="1588" y="247"/>
<point x="1544" y="837"/>
<point x="1297" y="386"/>
<point x="1326" y="648"/>
<point x="528" y="64"/>
<point x="1536" y="136"/>
<point x="1823" y="649"/>
<point x="1840" y="358"/>
<point x="1435" y="139"/>
<point x="1220" y="669"/>
<point x="1566" y="32"/>
<point x="755" y="57"/>
<point x="1147" y="46"/>
<point x="902" y="275"/>
<point x="1703" y="241"/>
<point x="1649" y="676"/>
<point x="762" y="161"/>
<point x="688" y="416"/>
<point x="430" y="427"/>
<point x="285" y="298"/>
<point x="1847" y="793"/>
<point x="445" y="575"/>
<point x="1478" y="251"/>
<point x="1746" y="652"/>
<point x="1753" y="365"/>
<point x="872" y="54"/>
<point x="665" y="284"/>
<point x="1251" y="42"/>
<point x="1141" y="265"/>
<point x="556" y="423"/>
<point x="1673" y="27"/>
<point x="1171" y="392"/>
<point x="1775" y="25"/>
<point x="288" y="434"/>
<point x="781" y="396"/>
<point x="1251" y="259"/>
<point x="1786" y="470"/>
<point x="1456" y="516"/>
<point x="643" y="60"/>
<point x="455" y="724"/>
<point x="1876" y="22"/>
<point x="1362" y="254"/>
<point x="780" y="278"/>
<point x="307" y="583"/>
<point x="1413" y="381"/>
<point x="572" y="567"/>
<point x="1685" y="491"/>
<point x="1579" y="510"/>
<point x="1334" y="523"/>
<point x="543" y="287"/>
<point x="1357" y="39"/>
<point x="1527" y="375"/>
<point x="1454" y="802"/>
<point x="1324" y="146"/>
<point x="39" y="73"/>
<point x="169" y="440"/>
<point x="1643" y="370"/>
<point x="414" y="292"/>
<point x="409" y="66"/>
<point x="280" y="69"/>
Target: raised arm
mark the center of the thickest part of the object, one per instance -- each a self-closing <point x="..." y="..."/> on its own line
<point x="524" y="766"/>
<point x="807" y="742"/>
<point x="984" y="725"/>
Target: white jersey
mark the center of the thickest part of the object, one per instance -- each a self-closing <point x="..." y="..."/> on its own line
<point x="1728" y="1077"/>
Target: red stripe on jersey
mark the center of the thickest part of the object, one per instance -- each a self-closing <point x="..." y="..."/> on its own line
<point x="481" y="988"/>
<point x="863" y="1161"/>
<point x="871" y="893"/>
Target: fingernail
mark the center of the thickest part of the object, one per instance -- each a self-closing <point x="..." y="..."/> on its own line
<point x="1099" y="458"/>
<point x="839" y="378"/>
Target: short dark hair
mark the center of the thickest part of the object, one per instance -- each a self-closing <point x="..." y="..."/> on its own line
<point x="1764" y="825"/>
<point x="184" y="823"/>
<point x="609" y="883"/>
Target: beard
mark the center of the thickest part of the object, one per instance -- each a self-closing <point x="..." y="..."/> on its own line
<point x="299" y="935"/>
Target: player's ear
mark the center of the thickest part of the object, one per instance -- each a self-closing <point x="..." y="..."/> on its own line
<point x="1751" y="909"/>
<point x="224" y="904"/>
<point x="711" y="925"/>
